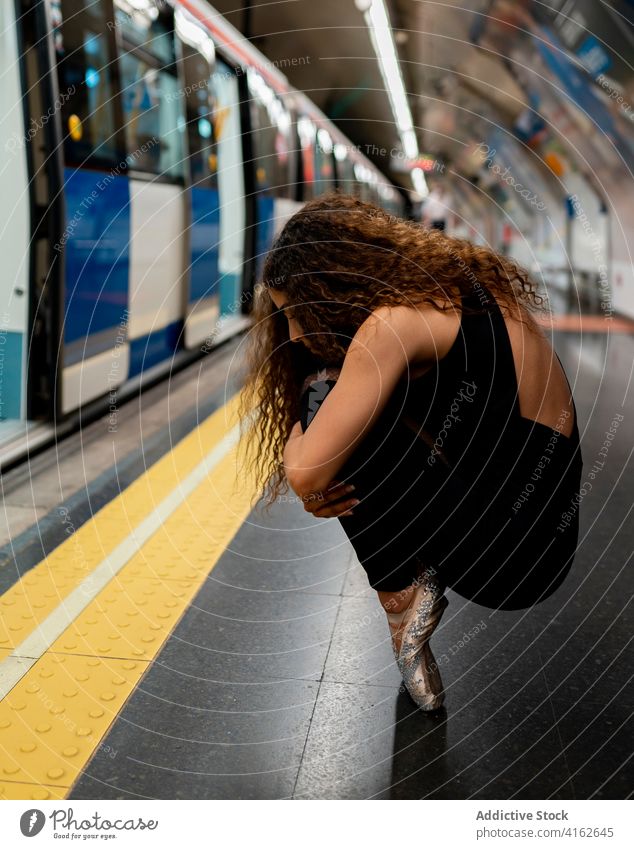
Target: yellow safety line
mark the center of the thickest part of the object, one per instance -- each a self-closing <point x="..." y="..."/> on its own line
<point x="54" y="718"/>
<point x="32" y="598"/>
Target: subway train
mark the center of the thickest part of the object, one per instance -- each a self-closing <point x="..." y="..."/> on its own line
<point x="151" y="158"/>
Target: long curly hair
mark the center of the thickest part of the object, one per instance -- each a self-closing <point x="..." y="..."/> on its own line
<point x="336" y="260"/>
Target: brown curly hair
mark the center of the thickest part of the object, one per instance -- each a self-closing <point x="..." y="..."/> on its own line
<point x="337" y="259"/>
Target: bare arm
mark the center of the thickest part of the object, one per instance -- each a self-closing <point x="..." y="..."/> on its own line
<point x="377" y="358"/>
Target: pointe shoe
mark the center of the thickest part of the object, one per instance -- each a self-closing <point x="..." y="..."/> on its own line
<point x="411" y="631"/>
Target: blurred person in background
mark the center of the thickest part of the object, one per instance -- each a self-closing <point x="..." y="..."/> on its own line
<point x="436" y="208"/>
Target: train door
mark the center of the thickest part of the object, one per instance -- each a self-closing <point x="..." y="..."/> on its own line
<point x="217" y="186"/>
<point x="202" y="307"/>
<point x="307" y="131"/>
<point x="273" y="161"/>
<point x="96" y="235"/>
<point x="228" y="131"/>
<point x="14" y="233"/>
<point x="79" y="202"/>
<point x="325" y="177"/>
<point x="344" y="169"/>
<point x="154" y="122"/>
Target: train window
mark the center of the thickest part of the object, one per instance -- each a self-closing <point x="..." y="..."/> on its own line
<point x="84" y="46"/>
<point x="147" y="25"/>
<point x="151" y="97"/>
<point x="197" y="55"/>
<point x="272" y="138"/>
<point x="386" y="198"/>
<point x="344" y="169"/>
<point x="362" y="175"/>
<point x="306" y="132"/>
<point x="324" y="161"/>
<point x="152" y="111"/>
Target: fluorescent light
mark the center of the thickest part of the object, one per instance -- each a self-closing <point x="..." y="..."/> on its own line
<point x="324" y="141"/>
<point x="306" y="130"/>
<point x="410" y="145"/>
<point x="420" y="184"/>
<point x="193" y="35"/>
<point x="382" y="38"/>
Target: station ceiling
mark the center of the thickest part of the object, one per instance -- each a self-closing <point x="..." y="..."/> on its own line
<point x="539" y="78"/>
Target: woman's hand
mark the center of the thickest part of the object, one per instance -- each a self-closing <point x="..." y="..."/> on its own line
<point x="335" y="500"/>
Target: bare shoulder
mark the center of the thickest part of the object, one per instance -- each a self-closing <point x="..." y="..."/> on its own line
<point x="425" y="332"/>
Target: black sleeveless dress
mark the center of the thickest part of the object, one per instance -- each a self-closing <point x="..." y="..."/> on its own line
<point x="453" y="478"/>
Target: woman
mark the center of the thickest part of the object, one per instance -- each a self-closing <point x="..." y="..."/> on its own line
<point x="422" y="405"/>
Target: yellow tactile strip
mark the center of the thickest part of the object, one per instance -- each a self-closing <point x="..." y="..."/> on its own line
<point x="53" y="720"/>
<point x="11" y="790"/>
<point x="30" y="600"/>
<point x="18" y="789"/>
<point x="127" y="621"/>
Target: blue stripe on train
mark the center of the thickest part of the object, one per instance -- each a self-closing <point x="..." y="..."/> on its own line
<point x="154" y="348"/>
<point x="10" y="374"/>
<point x="264" y="231"/>
<point x="96" y="241"/>
<point x="205" y="243"/>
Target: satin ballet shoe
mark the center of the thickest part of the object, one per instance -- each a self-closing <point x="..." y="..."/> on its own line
<point x="411" y="630"/>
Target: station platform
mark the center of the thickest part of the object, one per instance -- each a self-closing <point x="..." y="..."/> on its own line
<point x="160" y="639"/>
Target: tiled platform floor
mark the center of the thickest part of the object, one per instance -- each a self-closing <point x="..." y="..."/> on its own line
<point x="279" y="682"/>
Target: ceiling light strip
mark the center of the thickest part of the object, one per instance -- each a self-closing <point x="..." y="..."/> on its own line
<point x="382" y="38"/>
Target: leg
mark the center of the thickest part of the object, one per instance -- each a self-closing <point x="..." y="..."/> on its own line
<point x="412" y="627"/>
<point x="402" y="601"/>
<point x="396" y="602"/>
